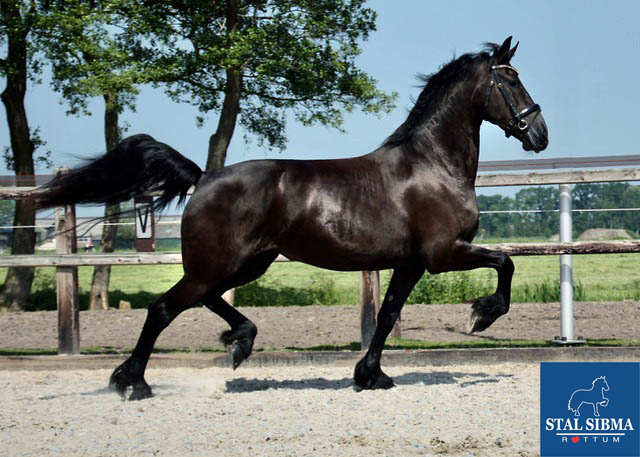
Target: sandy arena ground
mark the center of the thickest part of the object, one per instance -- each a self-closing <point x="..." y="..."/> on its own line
<point x="468" y="411"/>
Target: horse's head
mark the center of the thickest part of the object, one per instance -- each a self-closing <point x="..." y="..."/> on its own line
<point x="506" y="103"/>
<point x="606" y="385"/>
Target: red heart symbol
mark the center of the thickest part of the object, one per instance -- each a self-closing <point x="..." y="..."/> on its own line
<point x="575" y="439"/>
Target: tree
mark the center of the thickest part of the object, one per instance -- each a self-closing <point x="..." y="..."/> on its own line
<point x="497" y="224"/>
<point x="544" y="221"/>
<point x="7" y="211"/>
<point x="89" y="60"/>
<point x="17" y="21"/>
<point x="606" y="196"/>
<point x="255" y="61"/>
<point x="631" y="199"/>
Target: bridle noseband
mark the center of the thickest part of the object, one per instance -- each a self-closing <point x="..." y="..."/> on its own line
<point x="517" y="121"/>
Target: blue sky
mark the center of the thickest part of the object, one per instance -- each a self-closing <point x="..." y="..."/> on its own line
<point x="580" y="60"/>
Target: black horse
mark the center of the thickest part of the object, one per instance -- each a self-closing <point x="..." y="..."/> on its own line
<point x="409" y="206"/>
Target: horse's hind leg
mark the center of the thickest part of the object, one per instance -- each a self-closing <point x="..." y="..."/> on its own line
<point x="180" y="297"/>
<point x="368" y="374"/>
<point x="242" y="334"/>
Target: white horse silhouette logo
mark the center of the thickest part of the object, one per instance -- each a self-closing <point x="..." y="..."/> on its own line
<point x="591" y="396"/>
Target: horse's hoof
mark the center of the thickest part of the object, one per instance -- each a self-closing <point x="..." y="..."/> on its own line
<point x="239" y="342"/>
<point x="370" y="379"/>
<point x="141" y="393"/>
<point x="237" y="355"/>
<point x="484" y="312"/>
<point x="477" y="322"/>
<point x="119" y="381"/>
<point x="379" y="382"/>
<point x="383" y="382"/>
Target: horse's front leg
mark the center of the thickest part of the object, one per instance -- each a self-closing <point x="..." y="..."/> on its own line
<point x="368" y="374"/>
<point x="485" y="310"/>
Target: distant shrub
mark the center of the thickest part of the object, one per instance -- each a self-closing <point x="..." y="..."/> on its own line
<point x="454" y="287"/>
<point x="260" y="293"/>
<point x="543" y="292"/>
<point x="43" y="293"/>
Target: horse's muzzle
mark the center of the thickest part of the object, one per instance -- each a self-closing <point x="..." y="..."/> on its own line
<point x="536" y="138"/>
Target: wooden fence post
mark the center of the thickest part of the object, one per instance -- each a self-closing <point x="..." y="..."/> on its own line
<point x="369" y="306"/>
<point x="67" y="283"/>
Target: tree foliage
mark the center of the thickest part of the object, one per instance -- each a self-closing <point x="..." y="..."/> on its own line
<point x="89" y="55"/>
<point x="257" y="61"/>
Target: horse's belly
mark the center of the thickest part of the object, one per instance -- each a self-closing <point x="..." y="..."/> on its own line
<point x="344" y="255"/>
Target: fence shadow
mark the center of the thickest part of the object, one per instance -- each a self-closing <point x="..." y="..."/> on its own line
<point x="44" y="299"/>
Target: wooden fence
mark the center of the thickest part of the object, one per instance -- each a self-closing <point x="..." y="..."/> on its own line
<point x="66" y="260"/>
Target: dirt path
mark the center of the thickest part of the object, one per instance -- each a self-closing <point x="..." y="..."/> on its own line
<point x="310" y="326"/>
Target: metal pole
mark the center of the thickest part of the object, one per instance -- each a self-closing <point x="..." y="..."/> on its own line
<point x="566" y="269"/>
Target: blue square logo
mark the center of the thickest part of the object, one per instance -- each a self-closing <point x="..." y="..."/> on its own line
<point x="590" y="409"/>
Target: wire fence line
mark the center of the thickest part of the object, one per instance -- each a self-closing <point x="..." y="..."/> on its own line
<point x="526" y="211"/>
<point x="510" y="211"/>
<point x="103" y="223"/>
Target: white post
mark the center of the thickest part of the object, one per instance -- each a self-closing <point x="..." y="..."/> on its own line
<point x="566" y="268"/>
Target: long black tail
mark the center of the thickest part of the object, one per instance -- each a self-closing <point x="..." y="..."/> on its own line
<point x="138" y="165"/>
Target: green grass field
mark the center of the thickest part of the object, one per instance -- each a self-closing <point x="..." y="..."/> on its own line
<point x="604" y="277"/>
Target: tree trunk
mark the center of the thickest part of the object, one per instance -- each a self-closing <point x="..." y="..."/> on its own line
<point x="99" y="295"/>
<point x="16" y="290"/>
<point x="219" y="141"/>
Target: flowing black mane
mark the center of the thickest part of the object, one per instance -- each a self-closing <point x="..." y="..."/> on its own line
<point x="436" y="86"/>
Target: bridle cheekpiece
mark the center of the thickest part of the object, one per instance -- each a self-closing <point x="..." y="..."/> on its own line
<point x="517" y="123"/>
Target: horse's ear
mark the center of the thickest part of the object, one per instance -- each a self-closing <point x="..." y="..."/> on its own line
<point x="503" y="55"/>
<point x="513" y="51"/>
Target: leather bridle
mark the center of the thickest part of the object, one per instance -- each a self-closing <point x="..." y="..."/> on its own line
<point x="517" y="123"/>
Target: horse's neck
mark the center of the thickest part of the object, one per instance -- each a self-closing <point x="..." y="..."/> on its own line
<point x="451" y="135"/>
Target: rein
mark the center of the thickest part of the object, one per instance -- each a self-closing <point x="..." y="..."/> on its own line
<point x="517" y="121"/>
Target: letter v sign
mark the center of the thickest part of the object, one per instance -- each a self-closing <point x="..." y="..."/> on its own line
<point x="143" y="215"/>
<point x="143" y="225"/>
